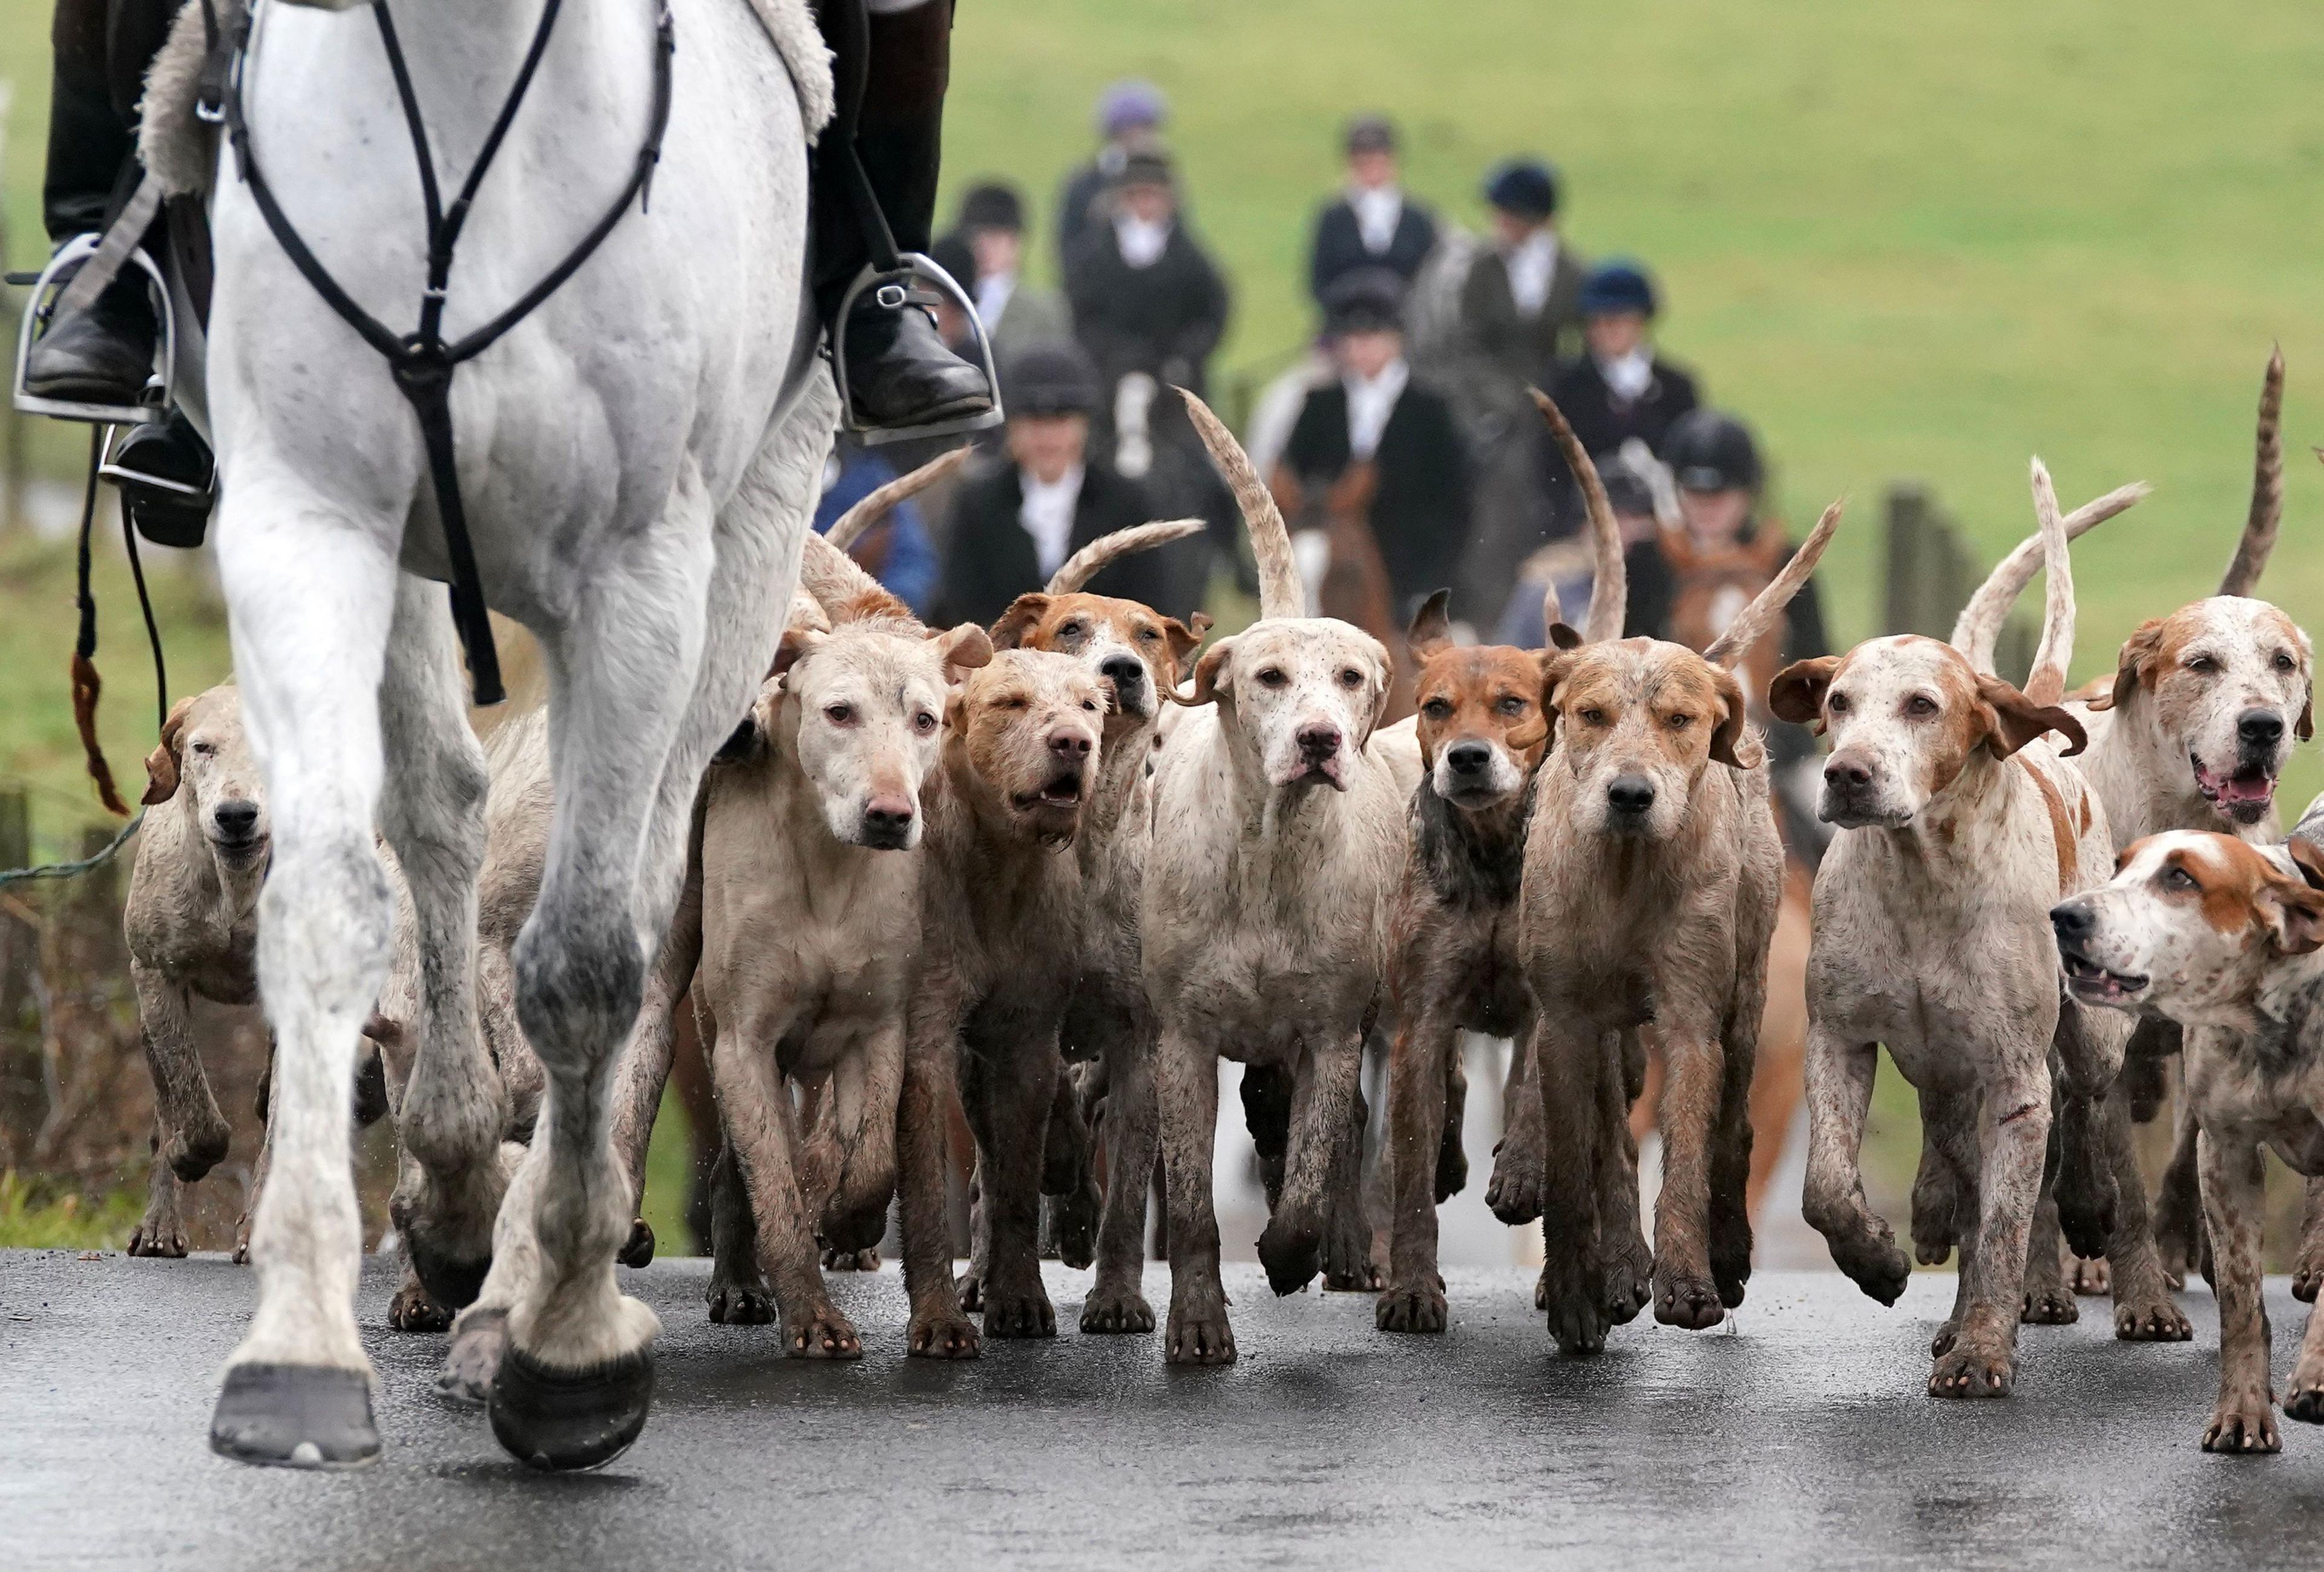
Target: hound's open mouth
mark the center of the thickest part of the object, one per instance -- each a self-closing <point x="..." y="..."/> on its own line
<point x="1064" y="790"/>
<point x="2243" y="796"/>
<point x="239" y="853"/>
<point x="2094" y="983"/>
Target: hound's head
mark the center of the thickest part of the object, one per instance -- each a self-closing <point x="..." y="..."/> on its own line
<point x="1028" y="726"/>
<point x="1481" y="725"/>
<point x="1638" y="723"/>
<point x="1304" y="693"/>
<point x="1905" y="716"/>
<point x="2226" y="683"/>
<point x="2189" y="925"/>
<point x="204" y="764"/>
<point x="863" y="706"/>
<point x="1135" y="651"/>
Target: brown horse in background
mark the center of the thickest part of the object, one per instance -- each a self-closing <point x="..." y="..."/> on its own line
<point x="1355" y="587"/>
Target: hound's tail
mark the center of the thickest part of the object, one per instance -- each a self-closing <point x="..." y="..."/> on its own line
<point x="2267" y="488"/>
<point x="2047" y="683"/>
<point x="850" y="527"/>
<point x="1752" y="622"/>
<point x="1084" y="565"/>
<point x="1610" y="582"/>
<point x="1281" y="593"/>
<point x="1978" y="627"/>
<point x="841" y="587"/>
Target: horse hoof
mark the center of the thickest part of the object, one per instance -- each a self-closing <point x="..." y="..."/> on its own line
<point x="638" y="1249"/>
<point x="556" y="1418"/>
<point x="295" y="1416"/>
<point x="451" y="1282"/>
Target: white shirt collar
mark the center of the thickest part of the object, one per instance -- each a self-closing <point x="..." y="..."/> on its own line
<point x="993" y="293"/>
<point x="1378" y="209"/>
<point x="1141" y="241"/>
<point x="1629" y="375"/>
<point x="1530" y="266"/>
<point x="1370" y="403"/>
<point x="1046" y="515"/>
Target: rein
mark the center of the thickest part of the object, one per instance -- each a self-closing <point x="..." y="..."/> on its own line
<point x="422" y="362"/>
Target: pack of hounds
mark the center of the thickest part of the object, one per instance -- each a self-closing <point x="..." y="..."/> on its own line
<point x="1051" y="871"/>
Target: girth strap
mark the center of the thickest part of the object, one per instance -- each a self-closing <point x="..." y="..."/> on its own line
<point x="420" y="361"/>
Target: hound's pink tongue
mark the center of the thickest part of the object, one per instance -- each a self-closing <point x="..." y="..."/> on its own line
<point x="2243" y="787"/>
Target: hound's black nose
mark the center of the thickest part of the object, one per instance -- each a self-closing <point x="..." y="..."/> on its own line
<point x="2072" y="920"/>
<point x="1125" y="672"/>
<point x="1318" y="741"/>
<point x="1630" y="794"/>
<point x="1846" y="775"/>
<point x="2260" y="728"/>
<point x="1469" y="757"/>
<point x="235" y="820"/>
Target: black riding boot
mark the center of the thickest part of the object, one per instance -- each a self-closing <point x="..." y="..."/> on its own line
<point x="892" y="72"/>
<point x="103" y="354"/>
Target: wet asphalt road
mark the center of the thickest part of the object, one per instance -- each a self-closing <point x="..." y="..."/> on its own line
<point x="1799" y="1438"/>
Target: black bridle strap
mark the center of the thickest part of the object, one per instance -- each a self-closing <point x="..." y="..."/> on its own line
<point x="420" y="361"/>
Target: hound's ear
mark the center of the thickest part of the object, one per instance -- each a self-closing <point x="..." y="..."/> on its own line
<point x="161" y="765"/>
<point x="1384" y="673"/>
<point x="2305" y="728"/>
<point x="1023" y="615"/>
<point x="1210" y="675"/>
<point x="2013" y="720"/>
<point x="2309" y="857"/>
<point x="1561" y="637"/>
<point x="2135" y="666"/>
<point x="1797" y="693"/>
<point x="1432" y="627"/>
<point x="963" y="649"/>
<point x="2294" y="915"/>
<point x="1732" y="743"/>
<point x="956" y="717"/>
<point x="797" y="644"/>
<point x="1556" y="665"/>
<point x="1184" y="639"/>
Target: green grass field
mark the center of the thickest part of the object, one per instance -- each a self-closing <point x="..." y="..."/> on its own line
<point x="1922" y="240"/>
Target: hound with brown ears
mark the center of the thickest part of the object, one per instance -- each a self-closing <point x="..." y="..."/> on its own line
<point x="1653" y="870"/>
<point x="1961" y="826"/>
<point x="2223" y="938"/>
<point x="1454" y="963"/>
<point x="191" y="921"/>
<point x="2203" y="711"/>
<point x="1263" y="918"/>
<point x="1138" y="655"/>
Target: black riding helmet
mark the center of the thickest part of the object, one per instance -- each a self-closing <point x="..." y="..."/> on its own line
<point x="1710" y="451"/>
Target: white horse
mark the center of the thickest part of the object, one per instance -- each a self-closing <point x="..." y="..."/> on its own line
<point x="640" y="459"/>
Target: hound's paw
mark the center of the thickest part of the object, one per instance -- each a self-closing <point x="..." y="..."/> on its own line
<point x="1873" y="1262"/>
<point x="2091" y="1279"/>
<point x="2151" y="1320"/>
<point x="200" y="1151"/>
<point x="1682" y="1300"/>
<point x="1451" y="1166"/>
<point x="1628" y="1277"/>
<point x="1942" y="1343"/>
<point x="1934" y="1200"/>
<point x="242" y="1241"/>
<point x="474" y="1359"/>
<point x="1363" y="1277"/>
<point x="1198" y="1331"/>
<point x="1513" y="1192"/>
<point x="2051" y="1305"/>
<point x="1291" y="1258"/>
<point x="638" y="1249"/>
<point x="2242" y="1424"/>
<point x="970" y="1288"/>
<point x="941" y="1336"/>
<point x="1106" y="1311"/>
<point x="414" y="1310"/>
<point x="1071" y="1224"/>
<point x="1573" y="1297"/>
<point x="741" y="1304"/>
<point x="2086" y="1213"/>
<point x="2178" y="1232"/>
<point x="1411" y="1310"/>
<point x="1968" y="1370"/>
<point x="1018" y="1315"/>
<point x="851" y="1259"/>
<point x="824" y="1335"/>
<point x="2308" y="1271"/>
<point x="165" y="1237"/>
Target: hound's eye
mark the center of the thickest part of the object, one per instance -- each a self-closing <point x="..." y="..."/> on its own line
<point x="1090" y="705"/>
<point x="1272" y="678"/>
<point x="1350" y="677"/>
<point x="204" y="749"/>
<point x="2283" y="662"/>
<point x="1837" y="704"/>
<point x="923" y="722"/>
<point x="1919" y="706"/>
<point x="2179" y="881"/>
<point x="2204" y="663"/>
<point x="1009" y="702"/>
<point x="1594" y="717"/>
<point x="1149" y="635"/>
<point x="840" y="715"/>
<point x="1072" y="629"/>
<point x="1678" y="723"/>
<point x="1437" y="709"/>
<point x="1511" y="704"/>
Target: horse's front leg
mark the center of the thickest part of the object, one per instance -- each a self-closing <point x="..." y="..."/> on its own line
<point x="310" y="591"/>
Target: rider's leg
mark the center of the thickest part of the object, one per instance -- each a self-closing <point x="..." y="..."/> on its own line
<point x="899" y="373"/>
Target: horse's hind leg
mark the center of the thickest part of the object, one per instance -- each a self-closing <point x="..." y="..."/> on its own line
<point x="432" y="813"/>
<point x="630" y="740"/>
<point x="309" y="592"/>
